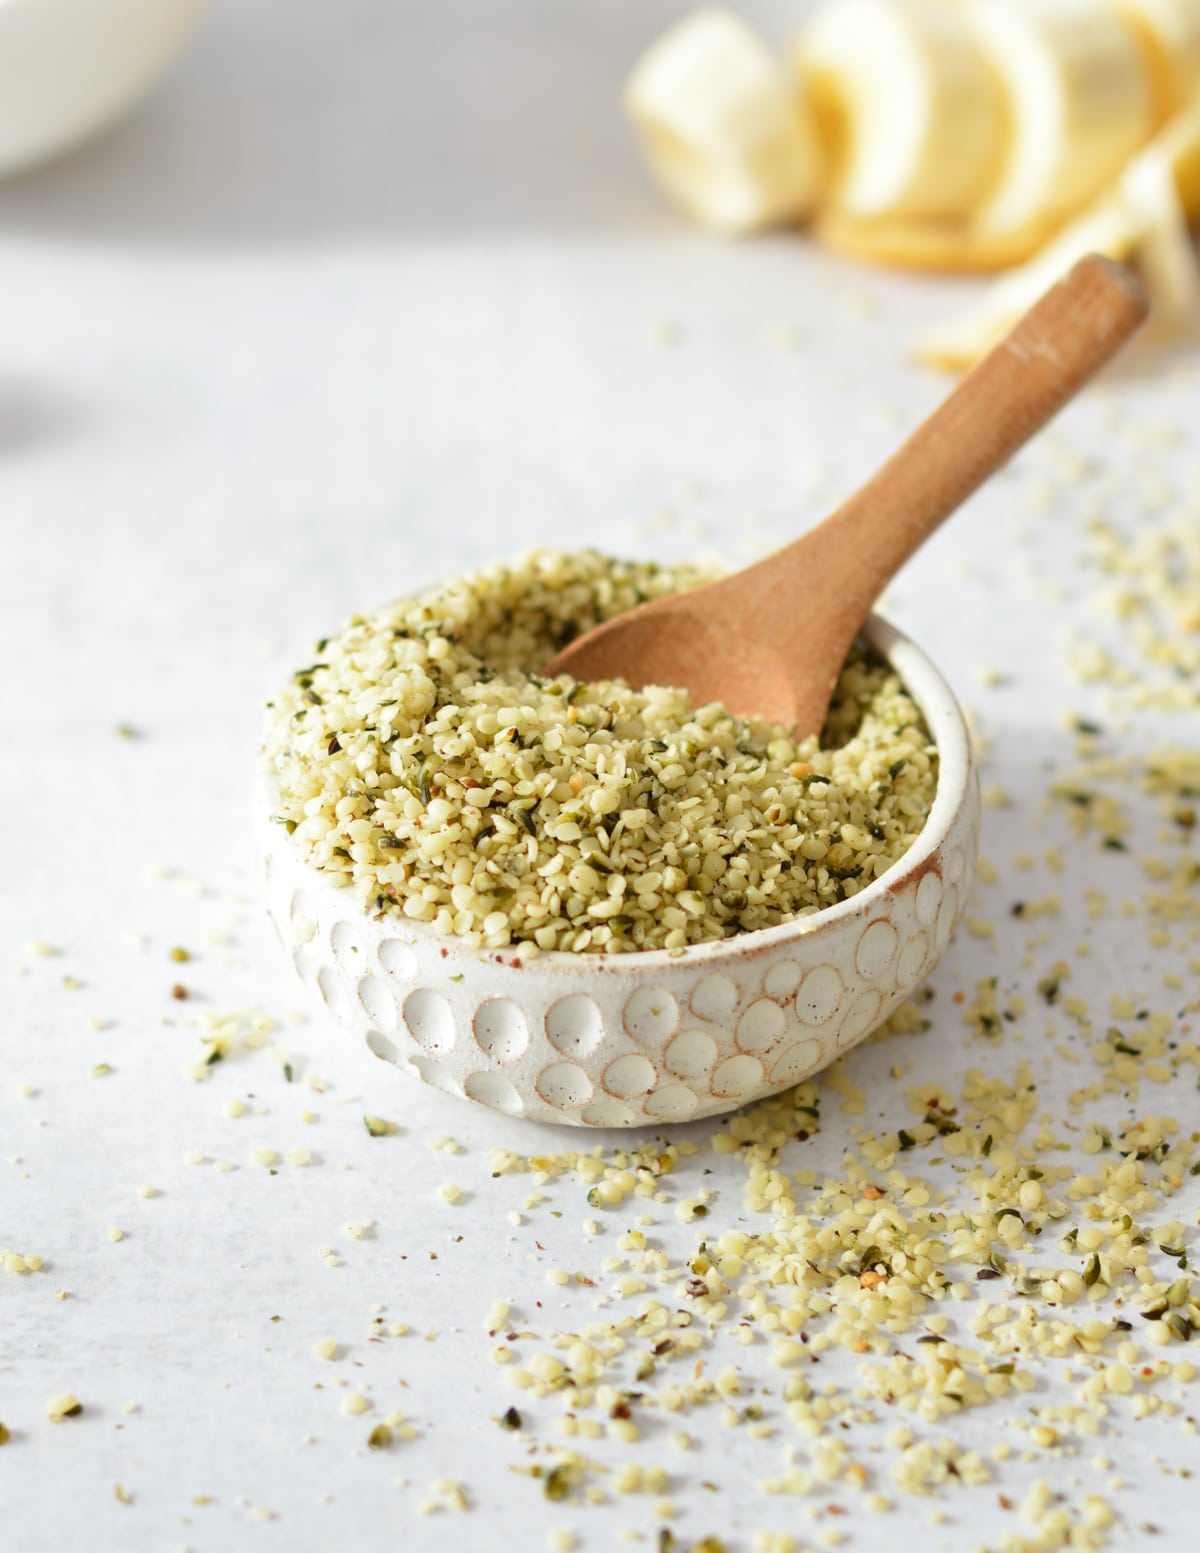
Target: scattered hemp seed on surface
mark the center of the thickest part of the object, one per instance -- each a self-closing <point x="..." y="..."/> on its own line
<point x="947" y="1284"/>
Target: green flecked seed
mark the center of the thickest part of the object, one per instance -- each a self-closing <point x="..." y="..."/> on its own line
<point x="556" y="1484"/>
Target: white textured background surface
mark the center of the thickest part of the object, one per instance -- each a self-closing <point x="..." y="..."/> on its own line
<point x="359" y="299"/>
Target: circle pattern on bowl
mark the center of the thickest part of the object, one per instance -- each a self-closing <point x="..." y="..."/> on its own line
<point x="494" y="1091"/>
<point x="691" y="1054"/>
<point x="348" y="951"/>
<point x="715" y="998"/>
<point x="782" y="980"/>
<point x="818" y="995"/>
<point x="651" y="1015"/>
<point x="378" y="1043"/>
<point x="303" y="912"/>
<point x="303" y="907"/>
<point x="306" y="961"/>
<point x="564" y="1085"/>
<point x="430" y="1020"/>
<point x="761" y="1026"/>
<point x="913" y="957"/>
<point x="397" y="959"/>
<point x="796" y="1062"/>
<point x="863" y="1014"/>
<point x="436" y="1073"/>
<point x="500" y="1029"/>
<point x="672" y="1103"/>
<point x="575" y="1025"/>
<point x="608" y="1113"/>
<point x="929" y="898"/>
<point x="947" y="917"/>
<point x="877" y="948"/>
<point x="376" y="997"/>
<point x="333" y="994"/>
<point x="736" y="1077"/>
<point x="630" y="1077"/>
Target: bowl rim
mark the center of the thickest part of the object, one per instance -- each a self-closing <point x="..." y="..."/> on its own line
<point x="948" y="732"/>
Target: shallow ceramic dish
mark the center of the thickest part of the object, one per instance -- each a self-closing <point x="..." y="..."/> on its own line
<point x="639" y="1039"/>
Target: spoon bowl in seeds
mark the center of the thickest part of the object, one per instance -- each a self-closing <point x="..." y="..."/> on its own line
<point x="587" y="904"/>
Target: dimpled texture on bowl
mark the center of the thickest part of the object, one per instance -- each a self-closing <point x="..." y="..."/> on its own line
<point x="642" y="1039"/>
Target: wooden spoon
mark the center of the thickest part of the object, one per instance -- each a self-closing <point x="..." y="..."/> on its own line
<point x="770" y="641"/>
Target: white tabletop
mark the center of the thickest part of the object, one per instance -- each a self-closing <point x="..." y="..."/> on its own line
<point x="358" y="300"/>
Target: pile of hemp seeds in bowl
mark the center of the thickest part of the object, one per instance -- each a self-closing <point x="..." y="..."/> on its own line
<point x="423" y="760"/>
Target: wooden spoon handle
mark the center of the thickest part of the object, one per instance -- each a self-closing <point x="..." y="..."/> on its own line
<point x="1066" y="337"/>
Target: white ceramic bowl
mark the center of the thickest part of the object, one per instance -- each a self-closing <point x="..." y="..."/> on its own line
<point x="633" y="1040"/>
<point x="68" y="68"/>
